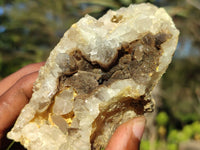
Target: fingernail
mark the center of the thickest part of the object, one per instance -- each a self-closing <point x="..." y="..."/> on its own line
<point x="138" y="127"/>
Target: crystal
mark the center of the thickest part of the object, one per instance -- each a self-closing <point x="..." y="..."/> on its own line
<point x="100" y="75"/>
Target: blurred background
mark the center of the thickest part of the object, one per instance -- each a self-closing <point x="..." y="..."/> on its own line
<point x="30" y="29"/>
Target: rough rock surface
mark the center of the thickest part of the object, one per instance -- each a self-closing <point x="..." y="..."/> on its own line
<point x="99" y="75"/>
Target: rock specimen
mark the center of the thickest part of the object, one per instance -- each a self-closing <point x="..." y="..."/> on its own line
<point x="99" y="75"/>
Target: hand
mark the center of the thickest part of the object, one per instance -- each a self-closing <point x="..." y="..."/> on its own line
<point x="16" y="90"/>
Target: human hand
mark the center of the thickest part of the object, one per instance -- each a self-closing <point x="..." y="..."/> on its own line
<point x="16" y="90"/>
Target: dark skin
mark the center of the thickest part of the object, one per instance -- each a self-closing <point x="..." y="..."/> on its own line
<point x="16" y="91"/>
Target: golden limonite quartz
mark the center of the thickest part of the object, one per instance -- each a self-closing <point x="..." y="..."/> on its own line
<point x="100" y="75"/>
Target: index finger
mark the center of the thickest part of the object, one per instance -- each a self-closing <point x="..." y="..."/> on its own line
<point x="15" y="99"/>
<point x="9" y="81"/>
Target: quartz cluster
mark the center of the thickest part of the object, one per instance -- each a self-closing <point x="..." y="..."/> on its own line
<point x="99" y="75"/>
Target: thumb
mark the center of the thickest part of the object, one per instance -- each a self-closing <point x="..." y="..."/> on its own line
<point x="128" y="135"/>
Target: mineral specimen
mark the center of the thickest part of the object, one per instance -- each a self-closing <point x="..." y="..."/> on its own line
<point x="99" y="75"/>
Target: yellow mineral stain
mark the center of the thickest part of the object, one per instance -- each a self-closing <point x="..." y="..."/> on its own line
<point x="116" y="18"/>
<point x="150" y="74"/>
<point x="50" y="120"/>
<point x="128" y="92"/>
<point x="125" y="92"/>
<point x="25" y="141"/>
<point x="69" y="121"/>
<point x="157" y="69"/>
<point x="69" y="117"/>
<point x="74" y="26"/>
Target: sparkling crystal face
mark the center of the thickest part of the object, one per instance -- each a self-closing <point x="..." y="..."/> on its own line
<point x="100" y="75"/>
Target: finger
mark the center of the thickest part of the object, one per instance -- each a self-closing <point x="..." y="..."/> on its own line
<point x="128" y="135"/>
<point x="14" y="100"/>
<point x="9" y="81"/>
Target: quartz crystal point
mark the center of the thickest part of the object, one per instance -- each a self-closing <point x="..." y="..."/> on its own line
<point x="99" y="75"/>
